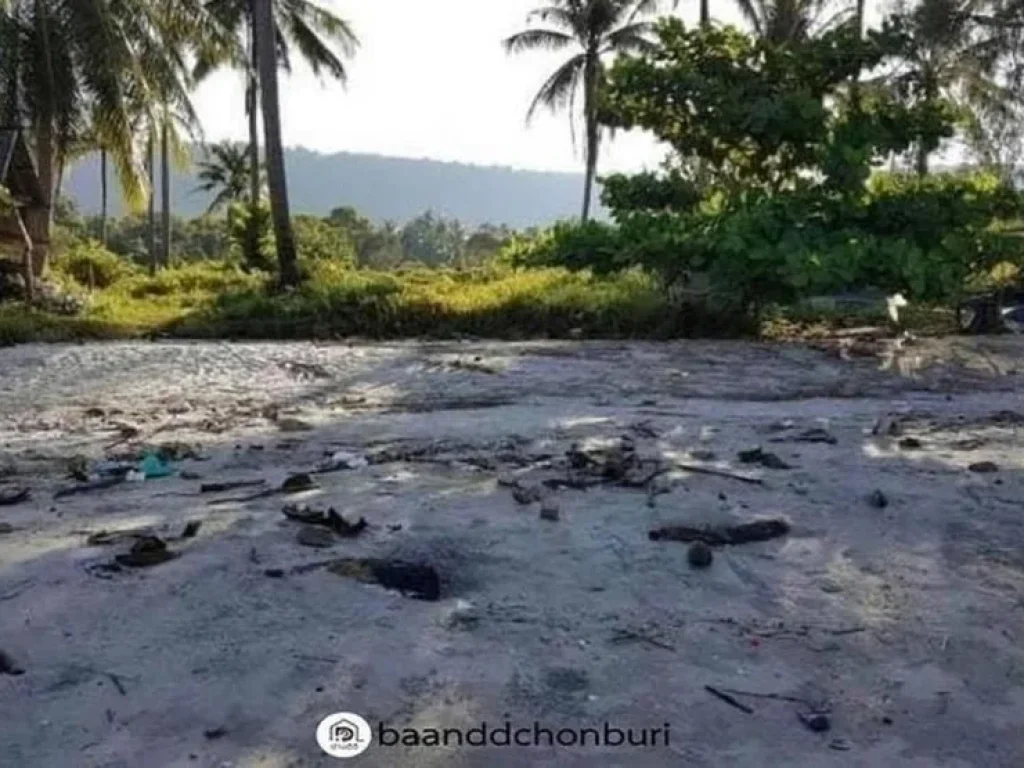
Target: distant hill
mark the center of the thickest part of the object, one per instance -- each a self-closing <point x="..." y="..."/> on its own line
<point x="382" y="188"/>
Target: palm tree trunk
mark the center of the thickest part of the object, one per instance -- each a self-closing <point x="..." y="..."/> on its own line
<point x="266" y="54"/>
<point x="705" y="13"/>
<point x="103" y="197"/>
<point x="165" y="185"/>
<point x="252" y="234"/>
<point x="590" y="74"/>
<point x="150" y="152"/>
<point x="922" y="160"/>
<point x="40" y="221"/>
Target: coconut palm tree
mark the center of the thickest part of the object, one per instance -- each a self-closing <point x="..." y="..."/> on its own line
<point x="323" y="40"/>
<point x="225" y="171"/>
<point x="788" y="21"/>
<point x="953" y="55"/>
<point x="66" y="62"/>
<point x="595" y="29"/>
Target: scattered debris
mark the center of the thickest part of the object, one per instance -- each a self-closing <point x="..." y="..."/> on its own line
<point x="290" y="424"/>
<point x="9" y="498"/>
<point x="463" y="615"/>
<point x="171" y="452"/>
<point x="714" y="471"/>
<point x="187" y="475"/>
<point x="342" y="460"/>
<point x="700" y="555"/>
<point x="878" y="499"/>
<point x="153" y="466"/>
<point x="815" y="435"/>
<point x="702" y="454"/>
<point x="298" y="483"/>
<point x="887" y="426"/>
<point x="145" y="552"/>
<point x="116" y="680"/>
<point x="327" y="519"/>
<point x="549" y="511"/>
<point x="910" y="444"/>
<point x="420" y="582"/>
<point x="728" y="699"/>
<point x="95" y="485"/>
<point x="476" y="364"/>
<point x="743" y="533"/>
<point x="318" y="538"/>
<point x="191" y="529"/>
<point x="815" y="721"/>
<point x="305" y="370"/>
<point x="627" y="635"/>
<point x="8" y="666"/>
<point x="970" y="444"/>
<point x="108" y="538"/>
<point x="839" y="745"/>
<point x="765" y="459"/>
<point x="527" y="494"/>
<point x="984" y="467"/>
<point x="231" y="486"/>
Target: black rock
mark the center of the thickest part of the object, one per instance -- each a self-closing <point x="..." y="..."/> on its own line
<point x="815" y="721"/>
<point x="700" y="555"/>
<point x="878" y="499"/>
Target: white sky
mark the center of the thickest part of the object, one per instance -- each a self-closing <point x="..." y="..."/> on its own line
<point x="431" y="80"/>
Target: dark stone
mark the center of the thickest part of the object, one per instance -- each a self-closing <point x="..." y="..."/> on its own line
<point x="319" y="538"/>
<point x="298" y="483"/>
<point x="414" y="580"/>
<point x="215" y="733"/>
<point x="191" y="529"/>
<point x="700" y="555"/>
<point x="274" y="573"/>
<point x="8" y="666"/>
<point x="910" y="443"/>
<point x="765" y="459"/>
<point x="147" y="551"/>
<point x="984" y="467"/>
<point x="878" y="499"/>
<point x="816" y="721"/>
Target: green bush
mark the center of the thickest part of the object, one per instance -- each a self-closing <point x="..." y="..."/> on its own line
<point x="92" y="266"/>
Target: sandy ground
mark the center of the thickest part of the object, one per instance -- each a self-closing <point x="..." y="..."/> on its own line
<point x="905" y="622"/>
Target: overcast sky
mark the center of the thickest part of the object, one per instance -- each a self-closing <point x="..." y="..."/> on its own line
<point x="431" y="81"/>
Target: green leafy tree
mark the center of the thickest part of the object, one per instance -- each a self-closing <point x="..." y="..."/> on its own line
<point x="595" y="29"/>
<point x="433" y="240"/>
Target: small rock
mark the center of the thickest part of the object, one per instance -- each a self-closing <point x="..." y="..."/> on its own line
<point x="187" y="475"/>
<point x="815" y="721"/>
<point x="463" y="616"/>
<point x="910" y="443"/>
<point x="298" y="483"/>
<point x="878" y="499"/>
<point x="700" y="555"/>
<point x="765" y="459"/>
<point x="527" y="494"/>
<point x="145" y="552"/>
<point x="549" y="511"/>
<point x="6" y="528"/>
<point x="191" y="529"/>
<point x="274" y="573"/>
<point x="288" y="424"/>
<point x="215" y="733"/>
<point x="839" y="745"/>
<point x="8" y="666"/>
<point x="831" y="586"/>
<point x="984" y="467"/>
<point x="319" y="538"/>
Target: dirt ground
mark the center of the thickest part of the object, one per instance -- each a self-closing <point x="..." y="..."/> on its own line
<point x="903" y="621"/>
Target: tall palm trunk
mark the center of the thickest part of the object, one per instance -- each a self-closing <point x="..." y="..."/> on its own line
<point x="165" y="188"/>
<point x="252" y="233"/>
<point x="103" y="197"/>
<point x="705" y="13"/>
<point x="40" y="221"/>
<point x="266" y="55"/>
<point x="151" y="163"/>
<point x="590" y="75"/>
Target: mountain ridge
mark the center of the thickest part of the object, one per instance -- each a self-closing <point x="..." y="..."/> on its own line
<point x="381" y="187"/>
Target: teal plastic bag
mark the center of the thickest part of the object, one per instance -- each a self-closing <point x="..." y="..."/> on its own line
<point x="153" y="466"/>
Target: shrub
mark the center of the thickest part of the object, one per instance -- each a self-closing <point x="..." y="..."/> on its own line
<point x="91" y="265"/>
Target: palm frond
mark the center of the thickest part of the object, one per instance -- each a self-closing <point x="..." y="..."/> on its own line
<point x="558" y="89"/>
<point x="534" y="39"/>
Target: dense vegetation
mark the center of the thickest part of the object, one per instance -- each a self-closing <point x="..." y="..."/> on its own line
<point x="771" y="191"/>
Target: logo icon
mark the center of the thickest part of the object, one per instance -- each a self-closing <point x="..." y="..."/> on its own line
<point x="343" y="735"/>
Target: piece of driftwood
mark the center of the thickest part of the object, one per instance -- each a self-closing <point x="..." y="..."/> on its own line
<point x="720" y="535"/>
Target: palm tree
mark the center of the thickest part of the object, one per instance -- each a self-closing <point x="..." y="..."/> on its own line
<point x="65" y="62"/>
<point x="788" y="21"/>
<point x="304" y="25"/>
<point x="226" y="172"/>
<point x="596" y="29"/>
<point x="953" y="55"/>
